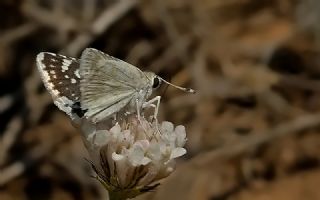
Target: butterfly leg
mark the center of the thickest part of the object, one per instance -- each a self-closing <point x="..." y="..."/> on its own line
<point x="150" y="103"/>
<point x="139" y="113"/>
<point x="138" y="109"/>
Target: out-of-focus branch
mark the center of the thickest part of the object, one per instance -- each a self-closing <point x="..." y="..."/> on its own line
<point x="54" y="19"/>
<point x="9" y="137"/>
<point x="89" y="10"/>
<point x="14" y="34"/>
<point x="100" y="25"/>
<point x="42" y="99"/>
<point x="299" y="82"/>
<point x="288" y="128"/>
<point x="31" y="158"/>
<point x="171" y="29"/>
<point x="171" y="52"/>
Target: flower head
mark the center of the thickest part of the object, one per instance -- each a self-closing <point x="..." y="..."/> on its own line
<point x="133" y="155"/>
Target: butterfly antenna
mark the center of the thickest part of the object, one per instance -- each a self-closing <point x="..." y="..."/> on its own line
<point x="165" y="90"/>
<point x="189" y="90"/>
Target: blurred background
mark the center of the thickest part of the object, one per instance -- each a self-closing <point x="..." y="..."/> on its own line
<point x="253" y="127"/>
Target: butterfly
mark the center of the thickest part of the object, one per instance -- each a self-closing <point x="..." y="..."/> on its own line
<point x="98" y="86"/>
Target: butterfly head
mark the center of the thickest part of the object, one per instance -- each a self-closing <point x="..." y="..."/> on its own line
<point x="154" y="80"/>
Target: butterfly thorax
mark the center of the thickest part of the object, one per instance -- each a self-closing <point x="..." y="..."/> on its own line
<point x="139" y="98"/>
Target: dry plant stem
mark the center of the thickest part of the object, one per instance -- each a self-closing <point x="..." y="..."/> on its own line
<point x="167" y="20"/>
<point x="171" y="29"/>
<point x="9" y="137"/>
<point x="141" y="49"/>
<point x="43" y="100"/>
<point x="251" y="142"/>
<point x="89" y="10"/>
<point x="11" y="172"/>
<point x="59" y="12"/>
<point x="299" y="82"/>
<point x="35" y="155"/>
<point x="17" y="33"/>
<point x="170" y="53"/>
<point x="48" y="18"/>
<point x="100" y="25"/>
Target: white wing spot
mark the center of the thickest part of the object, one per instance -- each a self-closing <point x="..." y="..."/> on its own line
<point x="65" y="67"/>
<point x="54" y="76"/>
<point x="52" y="72"/>
<point x="66" y="76"/>
<point x="77" y="73"/>
<point x="60" y="83"/>
<point x="54" y="60"/>
<point x="73" y="94"/>
<point x="52" y="66"/>
<point x="67" y="61"/>
<point x="73" y="80"/>
<point x="52" y="90"/>
<point x="65" y="64"/>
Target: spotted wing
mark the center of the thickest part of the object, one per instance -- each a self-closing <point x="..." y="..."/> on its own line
<point x="60" y="75"/>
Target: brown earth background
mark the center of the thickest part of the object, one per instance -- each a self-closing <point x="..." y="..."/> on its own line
<point x="253" y="127"/>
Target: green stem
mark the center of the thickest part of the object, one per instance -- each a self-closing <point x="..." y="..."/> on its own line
<point x="117" y="196"/>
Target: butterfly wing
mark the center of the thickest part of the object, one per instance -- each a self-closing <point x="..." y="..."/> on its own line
<point x="108" y="84"/>
<point x="60" y="75"/>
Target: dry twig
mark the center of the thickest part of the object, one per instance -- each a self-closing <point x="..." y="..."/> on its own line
<point x="9" y="137"/>
<point x="32" y="157"/>
<point x="17" y="33"/>
<point x="100" y="25"/>
<point x="251" y="142"/>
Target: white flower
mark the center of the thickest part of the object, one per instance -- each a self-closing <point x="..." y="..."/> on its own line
<point x="133" y="155"/>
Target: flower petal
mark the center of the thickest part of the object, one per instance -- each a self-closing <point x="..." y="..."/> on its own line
<point x="167" y="127"/>
<point x="177" y="152"/>
<point x="180" y="132"/>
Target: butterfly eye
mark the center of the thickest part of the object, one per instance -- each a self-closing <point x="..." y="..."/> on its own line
<point x="156" y="82"/>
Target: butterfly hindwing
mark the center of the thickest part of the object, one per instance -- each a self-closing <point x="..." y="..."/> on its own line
<point x="61" y="77"/>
